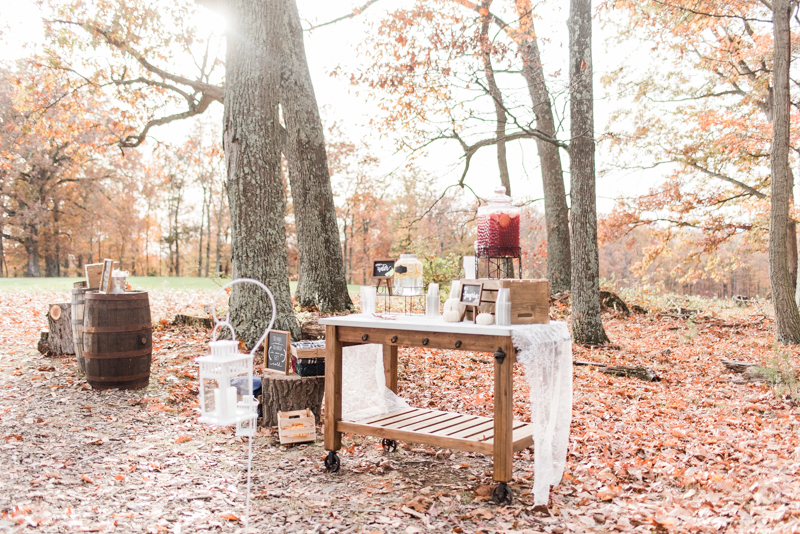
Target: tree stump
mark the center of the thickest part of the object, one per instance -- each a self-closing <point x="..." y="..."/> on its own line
<point x="283" y="393"/>
<point x="59" y="339"/>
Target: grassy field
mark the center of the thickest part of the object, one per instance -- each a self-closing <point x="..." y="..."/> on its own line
<point x="149" y="283"/>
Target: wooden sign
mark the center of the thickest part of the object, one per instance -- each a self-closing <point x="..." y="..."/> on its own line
<point x="277" y="351"/>
<point x="94" y="273"/>
<point x="105" y="279"/>
<point x="471" y="294"/>
<point x="382" y="268"/>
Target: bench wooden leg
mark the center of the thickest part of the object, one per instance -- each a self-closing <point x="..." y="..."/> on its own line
<point x="390" y="366"/>
<point x="333" y="388"/>
<point x="504" y="413"/>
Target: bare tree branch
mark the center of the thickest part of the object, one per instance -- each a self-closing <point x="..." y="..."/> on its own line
<point x="754" y="192"/>
<point x="357" y="11"/>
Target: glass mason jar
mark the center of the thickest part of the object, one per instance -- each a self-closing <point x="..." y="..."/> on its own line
<point x="408" y="275"/>
<point x="498" y="227"/>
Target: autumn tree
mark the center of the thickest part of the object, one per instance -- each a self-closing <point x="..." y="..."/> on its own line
<point x="429" y="67"/>
<point x="54" y="143"/>
<point x="786" y="312"/>
<point x="141" y="41"/>
<point x="587" y="324"/>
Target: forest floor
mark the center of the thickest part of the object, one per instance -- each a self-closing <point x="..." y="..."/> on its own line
<point x="695" y="451"/>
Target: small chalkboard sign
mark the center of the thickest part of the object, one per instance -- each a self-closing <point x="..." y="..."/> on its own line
<point x="277" y="351"/>
<point x="382" y="268"/>
<point x="471" y="294"/>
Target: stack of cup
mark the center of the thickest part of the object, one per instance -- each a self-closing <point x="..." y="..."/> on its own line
<point x="432" y="303"/>
<point x="369" y="295"/>
<point x="502" y="308"/>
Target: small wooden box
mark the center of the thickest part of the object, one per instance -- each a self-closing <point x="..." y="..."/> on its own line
<point x="298" y="426"/>
<point x="530" y="299"/>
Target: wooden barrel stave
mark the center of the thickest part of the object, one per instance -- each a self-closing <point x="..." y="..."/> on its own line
<point x="117" y="340"/>
<point x="78" y="302"/>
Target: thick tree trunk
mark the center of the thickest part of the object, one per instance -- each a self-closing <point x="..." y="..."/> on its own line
<point x="252" y="142"/>
<point x="218" y="264"/>
<point x="555" y="197"/>
<point x="51" y="267"/>
<point x="786" y="311"/>
<point x="32" y="249"/>
<point x="587" y="324"/>
<point x="321" y="277"/>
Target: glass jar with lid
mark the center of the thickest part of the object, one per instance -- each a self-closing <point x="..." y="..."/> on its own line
<point x="408" y="275"/>
<point x="498" y="227"/>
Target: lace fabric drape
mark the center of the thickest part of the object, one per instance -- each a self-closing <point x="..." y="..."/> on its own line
<point x="545" y="352"/>
<point x="364" y="391"/>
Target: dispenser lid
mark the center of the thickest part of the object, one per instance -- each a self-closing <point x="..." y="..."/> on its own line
<point x="499" y="196"/>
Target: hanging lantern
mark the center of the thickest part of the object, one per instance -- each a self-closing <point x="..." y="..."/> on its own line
<point x="226" y="376"/>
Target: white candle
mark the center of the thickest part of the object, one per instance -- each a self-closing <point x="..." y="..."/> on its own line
<point x="232" y="401"/>
<point x="217" y="401"/>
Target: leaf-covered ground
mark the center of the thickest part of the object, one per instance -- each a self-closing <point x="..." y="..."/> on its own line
<point x="693" y="452"/>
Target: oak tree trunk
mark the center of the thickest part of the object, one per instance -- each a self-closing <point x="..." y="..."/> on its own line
<point x="587" y="324"/>
<point x="321" y="276"/>
<point x="555" y="197"/>
<point x="31" y="244"/>
<point x="786" y="312"/>
<point x="252" y="142"/>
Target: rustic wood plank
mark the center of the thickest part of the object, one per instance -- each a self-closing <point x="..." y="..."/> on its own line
<point x="377" y="418"/>
<point x="390" y="366"/>
<point x="475" y="432"/>
<point x="423" y="426"/>
<point x="401" y="417"/>
<point x="462" y="426"/>
<point x="333" y="389"/>
<point x="427" y="416"/>
<point x="503" y="445"/>
<point x="442" y="442"/>
<point x="444" y="425"/>
<point x="409" y="338"/>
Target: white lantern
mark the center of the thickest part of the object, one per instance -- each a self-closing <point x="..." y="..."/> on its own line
<point x="219" y="399"/>
<point x="226" y="376"/>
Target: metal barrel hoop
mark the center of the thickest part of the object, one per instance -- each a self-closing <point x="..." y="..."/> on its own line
<point x="226" y="322"/>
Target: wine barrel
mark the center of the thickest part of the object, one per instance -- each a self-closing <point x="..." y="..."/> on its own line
<point x="117" y="340"/>
<point x="78" y="292"/>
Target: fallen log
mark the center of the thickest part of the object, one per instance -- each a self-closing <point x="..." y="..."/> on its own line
<point x="193" y="320"/>
<point x="737" y="367"/>
<point x="632" y="371"/>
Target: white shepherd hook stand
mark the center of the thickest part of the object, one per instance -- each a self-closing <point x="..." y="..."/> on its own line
<point x="223" y="376"/>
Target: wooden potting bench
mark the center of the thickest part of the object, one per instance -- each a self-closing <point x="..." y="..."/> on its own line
<point x="500" y="436"/>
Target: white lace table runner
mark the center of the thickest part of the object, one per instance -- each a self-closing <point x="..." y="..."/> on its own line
<point x="545" y="352"/>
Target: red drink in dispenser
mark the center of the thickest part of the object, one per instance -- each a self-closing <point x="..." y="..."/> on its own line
<point x="498" y="227"/>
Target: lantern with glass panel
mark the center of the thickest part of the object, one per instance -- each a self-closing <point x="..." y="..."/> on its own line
<point x="226" y="376"/>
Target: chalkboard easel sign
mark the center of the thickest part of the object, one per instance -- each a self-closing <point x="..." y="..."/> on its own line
<point x="383" y="268"/>
<point x="383" y="271"/>
<point x="471" y="295"/>
<point x="277" y="352"/>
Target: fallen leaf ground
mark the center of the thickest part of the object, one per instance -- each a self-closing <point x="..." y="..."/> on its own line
<point x="693" y="452"/>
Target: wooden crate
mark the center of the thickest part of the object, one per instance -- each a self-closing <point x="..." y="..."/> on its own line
<point x="530" y="299"/>
<point x="298" y="426"/>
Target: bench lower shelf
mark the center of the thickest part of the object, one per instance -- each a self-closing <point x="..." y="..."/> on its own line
<point x="469" y="433"/>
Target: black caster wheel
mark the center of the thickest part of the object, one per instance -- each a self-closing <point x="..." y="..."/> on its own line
<point x="502" y="494"/>
<point x="332" y="462"/>
<point x="389" y="445"/>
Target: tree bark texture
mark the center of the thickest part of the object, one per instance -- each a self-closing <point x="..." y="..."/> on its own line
<point x="786" y="312"/>
<point x="252" y="141"/>
<point x="587" y="324"/>
<point x="285" y="393"/>
<point x="555" y="197"/>
<point x="321" y="275"/>
<point x="497" y="99"/>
